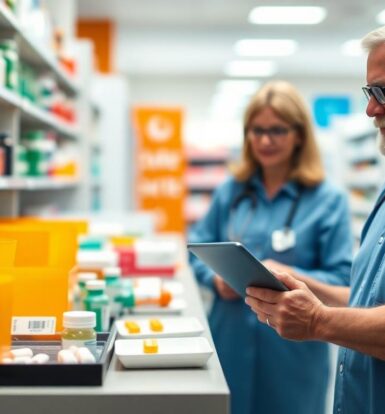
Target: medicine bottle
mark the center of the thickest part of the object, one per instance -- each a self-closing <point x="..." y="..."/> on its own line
<point x="97" y="301"/>
<point x="112" y="277"/>
<point x="79" y="329"/>
<point x="80" y="291"/>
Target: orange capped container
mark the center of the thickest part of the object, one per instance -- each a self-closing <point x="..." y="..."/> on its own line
<point x="6" y="295"/>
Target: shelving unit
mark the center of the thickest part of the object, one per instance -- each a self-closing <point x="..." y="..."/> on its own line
<point x="23" y="194"/>
<point x="363" y="166"/>
<point x="205" y="171"/>
<point x="33" y="53"/>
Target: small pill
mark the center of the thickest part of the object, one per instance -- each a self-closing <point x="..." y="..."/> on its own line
<point x="66" y="357"/>
<point x="150" y="346"/>
<point x="156" y="325"/>
<point x="40" y="359"/>
<point x="84" y="356"/>
<point x="22" y="360"/>
<point x="7" y="361"/>
<point x="132" y="327"/>
<point x="21" y="352"/>
<point x="73" y="349"/>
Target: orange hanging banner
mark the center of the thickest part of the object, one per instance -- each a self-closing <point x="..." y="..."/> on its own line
<point x="160" y="184"/>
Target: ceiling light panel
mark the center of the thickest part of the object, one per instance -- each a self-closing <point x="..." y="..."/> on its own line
<point x="265" y="47"/>
<point x="238" y="87"/>
<point x="250" y="68"/>
<point x="287" y="15"/>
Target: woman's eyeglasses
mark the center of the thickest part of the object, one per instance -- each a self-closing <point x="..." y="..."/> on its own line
<point x="275" y="133"/>
<point x="378" y="93"/>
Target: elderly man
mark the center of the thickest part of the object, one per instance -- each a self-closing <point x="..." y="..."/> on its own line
<point x="352" y="318"/>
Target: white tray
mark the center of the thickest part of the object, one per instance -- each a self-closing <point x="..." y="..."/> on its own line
<point x="172" y="352"/>
<point x="172" y="327"/>
<point x="175" y="307"/>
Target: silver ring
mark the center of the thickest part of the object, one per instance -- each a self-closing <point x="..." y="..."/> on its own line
<point x="267" y="322"/>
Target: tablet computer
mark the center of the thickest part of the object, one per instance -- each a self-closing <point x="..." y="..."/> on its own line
<point x="236" y="265"/>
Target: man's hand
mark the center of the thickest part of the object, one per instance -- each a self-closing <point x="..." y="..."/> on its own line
<point x="273" y="265"/>
<point x="224" y="290"/>
<point x="293" y="314"/>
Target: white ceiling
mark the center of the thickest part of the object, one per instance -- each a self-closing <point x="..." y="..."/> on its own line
<point x="196" y="37"/>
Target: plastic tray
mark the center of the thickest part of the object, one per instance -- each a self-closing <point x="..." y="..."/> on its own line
<point x="172" y="327"/>
<point x="54" y="374"/>
<point x="172" y="353"/>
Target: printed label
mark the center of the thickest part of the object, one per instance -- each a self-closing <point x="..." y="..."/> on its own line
<point x="33" y="325"/>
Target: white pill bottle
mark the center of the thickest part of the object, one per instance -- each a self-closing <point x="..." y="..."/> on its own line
<point x="79" y="329"/>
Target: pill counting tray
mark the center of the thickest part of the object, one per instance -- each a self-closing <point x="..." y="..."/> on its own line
<point x="172" y="327"/>
<point x="172" y="353"/>
<point x="54" y="374"/>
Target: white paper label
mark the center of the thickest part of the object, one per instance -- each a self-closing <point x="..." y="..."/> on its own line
<point x="33" y="325"/>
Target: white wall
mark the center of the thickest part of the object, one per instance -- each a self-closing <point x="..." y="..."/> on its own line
<point x="195" y="93"/>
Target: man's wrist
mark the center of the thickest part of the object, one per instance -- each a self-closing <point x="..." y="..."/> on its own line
<point x="320" y="322"/>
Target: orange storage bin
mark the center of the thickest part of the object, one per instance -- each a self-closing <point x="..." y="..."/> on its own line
<point x="44" y="242"/>
<point x="39" y="291"/>
<point x="7" y="252"/>
<point x="6" y="296"/>
<point x="32" y="246"/>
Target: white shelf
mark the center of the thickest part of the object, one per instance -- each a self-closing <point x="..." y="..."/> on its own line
<point x="36" y="54"/>
<point x="368" y="177"/>
<point x="361" y="207"/>
<point x="37" y="183"/>
<point x="32" y="113"/>
<point x="9" y="98"/>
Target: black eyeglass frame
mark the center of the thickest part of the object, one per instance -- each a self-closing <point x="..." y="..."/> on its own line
<point x="273" y="133"/>
<point x="378" y="93"/>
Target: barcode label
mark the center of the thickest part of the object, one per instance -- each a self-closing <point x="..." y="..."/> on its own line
<point x="36" y="325"/>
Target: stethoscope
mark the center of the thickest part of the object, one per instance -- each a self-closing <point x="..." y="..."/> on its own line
<point x="281" y="240"/>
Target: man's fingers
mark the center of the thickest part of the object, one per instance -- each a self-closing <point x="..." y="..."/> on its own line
<point x="265" y="295"/>
<point x="260" y="306"/>
<point x="289" y="281"/>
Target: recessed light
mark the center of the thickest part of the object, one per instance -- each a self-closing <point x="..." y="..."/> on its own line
<point x="238" y="87"/>
<point x="381" y="17"/>
<point x="287" y="15"/>
<point x="265" y="47"/>
<point x="251" y="68"/>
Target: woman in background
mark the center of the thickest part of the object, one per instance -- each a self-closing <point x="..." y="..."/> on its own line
<point x="279" y="205"/>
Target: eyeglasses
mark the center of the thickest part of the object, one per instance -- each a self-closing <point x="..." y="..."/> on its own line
<point x="275" y="133"/>
<point x="378" y="92"/>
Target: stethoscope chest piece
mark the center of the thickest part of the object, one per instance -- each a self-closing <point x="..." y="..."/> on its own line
<point x="282" y="240"/>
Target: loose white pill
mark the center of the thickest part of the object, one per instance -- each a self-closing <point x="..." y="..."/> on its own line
<point x="21" y="352"/>
<point x="84" y="356"/>
<point x="40" y="359"/>
<point x="22" y="360"/>
<point x="66" y="357"/>
<point x="7" y="361"/>
<point x="73" y="349"/>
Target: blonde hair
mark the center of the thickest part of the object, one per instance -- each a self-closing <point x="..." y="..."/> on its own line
<point x="373" y="39"/>
<point x="287" y="104"/>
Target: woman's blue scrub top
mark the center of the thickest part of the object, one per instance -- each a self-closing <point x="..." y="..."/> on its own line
<point x="267" y="374"/>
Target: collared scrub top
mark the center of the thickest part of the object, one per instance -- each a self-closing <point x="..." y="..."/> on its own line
<point x="267" y="374"/>
<point x="360" y="381"/>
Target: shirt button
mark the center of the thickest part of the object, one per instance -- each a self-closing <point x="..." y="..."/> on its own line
<point x="341" y="368"/>
<point x="338" y="410"/>
<point x="381" y="239"/>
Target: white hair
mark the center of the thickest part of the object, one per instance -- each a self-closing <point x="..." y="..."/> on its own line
<point x="373" y="39"/>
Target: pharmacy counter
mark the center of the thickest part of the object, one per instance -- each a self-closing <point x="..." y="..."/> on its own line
<point x="187" y="391"/>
